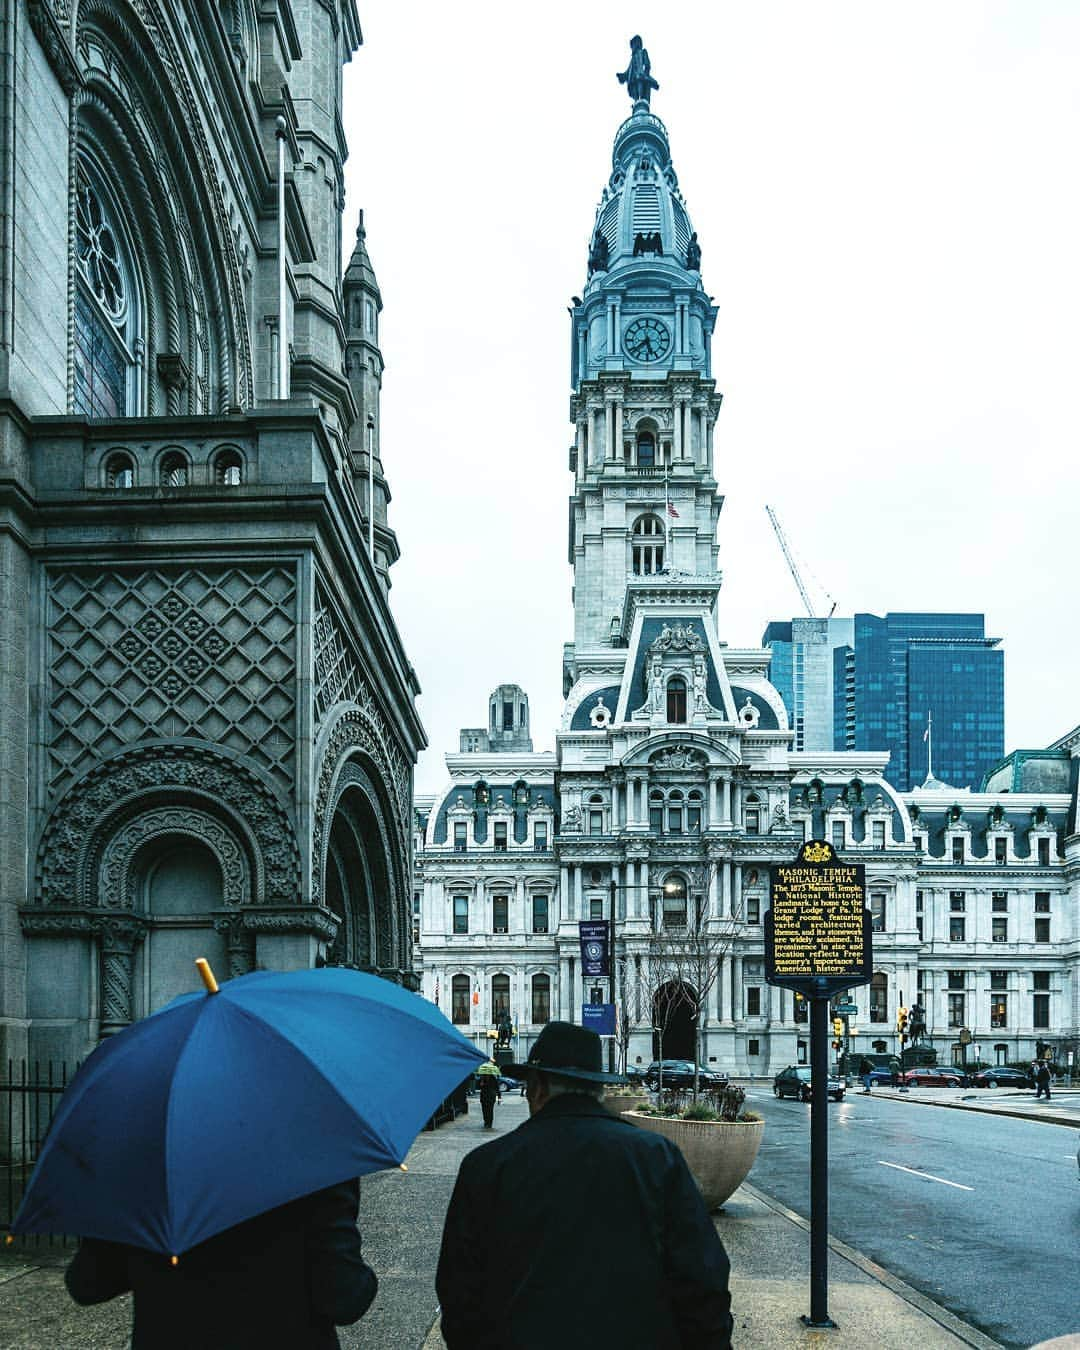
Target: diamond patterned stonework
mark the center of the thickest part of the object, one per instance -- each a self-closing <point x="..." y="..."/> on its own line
<point x="208" y="652"/>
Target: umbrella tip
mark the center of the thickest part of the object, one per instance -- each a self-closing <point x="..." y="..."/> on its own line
<point x="403" y="1167"/>
<point x="207" y="975"/>
<point x="9" y="1240"/>
<point x="174" y="1260"/>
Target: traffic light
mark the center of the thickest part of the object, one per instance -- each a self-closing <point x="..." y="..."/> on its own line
<point x="901" y="1021"/>
<point x="838" y="1026"/>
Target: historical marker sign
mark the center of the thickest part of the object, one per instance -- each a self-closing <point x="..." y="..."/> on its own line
<point x="817" y="929"/>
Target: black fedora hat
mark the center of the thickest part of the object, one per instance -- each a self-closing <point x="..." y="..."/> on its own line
<point x="568" y="1050"/>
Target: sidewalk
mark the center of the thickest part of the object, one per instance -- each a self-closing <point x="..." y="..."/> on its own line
<point x="1063" y="1108"/>
<point x="401" y="1217"/>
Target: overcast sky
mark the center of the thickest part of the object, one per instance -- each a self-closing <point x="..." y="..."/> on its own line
<point x="888" y="204"/>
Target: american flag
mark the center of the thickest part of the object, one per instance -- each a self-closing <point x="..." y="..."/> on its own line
<point x="671" y="511"/>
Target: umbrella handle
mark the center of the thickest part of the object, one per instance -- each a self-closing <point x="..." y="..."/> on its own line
<point x="207" y="975"/>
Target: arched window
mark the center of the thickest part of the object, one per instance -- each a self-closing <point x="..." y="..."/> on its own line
<point x="675" y="813"/>
<point x="647" y="546"/>
<point x="106" y="305"/>
<point x="229" y="469"/>
<point x="459" y="1000"/>
<point x="676" y="699"/>
<point x="694" y="803"/>
<point x="174" y="471"/>
<point x="541" y="999"/>
<point x="646" y="449"/>
<point x="500" y="997"/>
<point x="674" y="902"/>
<point x="120" y="471"/>
<point x="879" y="998"/>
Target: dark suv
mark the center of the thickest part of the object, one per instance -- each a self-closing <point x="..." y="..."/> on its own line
<point x="794" y="1081"/>
<point x="679" y="1074"/>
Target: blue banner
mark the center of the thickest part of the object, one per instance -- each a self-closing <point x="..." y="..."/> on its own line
<point x="594" y="946"/>
<point x="599" y="1017"/>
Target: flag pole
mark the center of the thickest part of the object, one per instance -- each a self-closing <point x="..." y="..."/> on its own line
<point x="929" y="739"/>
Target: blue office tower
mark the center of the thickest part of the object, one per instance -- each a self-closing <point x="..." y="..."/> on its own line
<point x="904" y="669"/>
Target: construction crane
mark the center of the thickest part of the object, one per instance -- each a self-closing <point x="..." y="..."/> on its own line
<point x="791" y="565"/>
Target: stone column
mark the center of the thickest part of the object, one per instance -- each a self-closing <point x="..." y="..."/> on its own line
<point x="118" y="938"/>
<point x="715" y="903"/>
<point x="643" y="889"/>
<point x="723" y="988"/>
<point x="737" y="988"/>
<point x="725" y="809"/>
<point x="677" y="439"/>
<point x="579" y="892"/>
<point x="736" y="892"/>
<point x="522" y="924"/>
<point x="239" y="945"/>
<point x="618" y="431"/>
<point x="564" y="893"/>
<point x="564" y="989"/>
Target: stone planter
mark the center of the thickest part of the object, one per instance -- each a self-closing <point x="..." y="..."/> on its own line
<point x="619" y="1102"/>
<point x="719" y="1153"/>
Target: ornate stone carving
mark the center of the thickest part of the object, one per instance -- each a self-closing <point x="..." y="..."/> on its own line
<point x="600" y="716"/>
<point x="749" y="716"/>
<point x="207" y="652"/>
<point x="49" y="20"/>
<point x="239" y="944"/>
<point x="118" y="938"/>
<point x="677" y="757"/>
<point x="114" y="873"/>
<point x="84" y="820"/>
<point x="303" y="919"/>
<point x="681" y="638"/>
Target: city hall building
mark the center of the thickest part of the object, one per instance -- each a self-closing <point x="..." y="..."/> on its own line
<point x="675" y="783"/>
<point x="207" y="723"/>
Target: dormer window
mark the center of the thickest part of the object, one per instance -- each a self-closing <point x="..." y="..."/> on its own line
<point x="676" y="699"/>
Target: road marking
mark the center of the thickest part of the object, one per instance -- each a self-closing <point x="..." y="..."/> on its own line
<point x="926" y="1176"/>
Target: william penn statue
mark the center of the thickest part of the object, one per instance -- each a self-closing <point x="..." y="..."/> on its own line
<point x="639" y="82"/>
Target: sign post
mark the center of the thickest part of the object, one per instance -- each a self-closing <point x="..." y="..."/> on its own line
<point x="818" y="942"/>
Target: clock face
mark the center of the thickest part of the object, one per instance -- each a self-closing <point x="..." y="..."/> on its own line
<point x="647" y="339"/>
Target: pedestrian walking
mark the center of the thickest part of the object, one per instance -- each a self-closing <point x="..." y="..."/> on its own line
<point x="894" y="1069"/>
<point x="866" y="1068"/>
<point x="488" y="1076"/>
<point x="574" y="1201"/>
<point x="1042" y="1079"/>
<point x="284" y="1278"/>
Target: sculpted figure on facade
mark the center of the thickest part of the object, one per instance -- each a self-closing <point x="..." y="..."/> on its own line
<point x="638" y="74"/>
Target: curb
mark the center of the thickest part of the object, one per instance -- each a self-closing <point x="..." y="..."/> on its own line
<point x="1070" y="1122"/>
<point x="951" y="1323"/>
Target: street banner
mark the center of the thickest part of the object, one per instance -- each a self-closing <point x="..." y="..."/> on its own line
<point x="594" y="947"/>
<point x="599" y="1017"/>
<point x="817" y="928"/>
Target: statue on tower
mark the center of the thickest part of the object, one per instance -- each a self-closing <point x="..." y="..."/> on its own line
<point x="637" y="77"/>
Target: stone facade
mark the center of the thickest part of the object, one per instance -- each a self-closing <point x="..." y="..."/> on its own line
<point x="207" y="722"/>
<point x="675" y="782"/>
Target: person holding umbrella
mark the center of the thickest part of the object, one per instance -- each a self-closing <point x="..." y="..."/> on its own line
<point x="488" y="1075"/>
<point x="208" y="1154"/>
<point x="547" y="1220"/>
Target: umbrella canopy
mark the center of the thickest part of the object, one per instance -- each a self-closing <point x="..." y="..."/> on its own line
<point x="226" y="1104"/>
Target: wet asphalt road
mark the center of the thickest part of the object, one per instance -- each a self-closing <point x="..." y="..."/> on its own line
<point x="1000" y="1246"/>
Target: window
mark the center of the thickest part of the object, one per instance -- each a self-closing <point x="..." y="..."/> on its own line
<point x="461" y="836"/>
<point x="999" y="929"/>
<point x="596" y="822"/>
<point x="956" y="1010"/>
<point x="416" y="916"/>
<point x="753" y="1047"/>
<point x="958" y="850"/>
<point x="369" y="317"/>
<point x="596" y="907"/>
<point x="693" y="813"/>
<point x="540" y="836"/>
<point x="106" y="308"/>
<point x="753" y="909"/>
<point x="955" y="979"/>
<point x="1044" y="852"/>
<point x="878" y="828"/>
<point x="174" y="470"/>
<point x="753" y="820"/>
<point x="461" y="913"/>
<point x="1001" y="1055"/>
<point x="674" y="819"/>
<point x="1000" y="850"/>
<point x="647" y="547"/>
<point x="879" y="998"/>
<point x="956" y="928"/>
<point x="500" y="836"/>
<point x="753" y="1001"/>
<point x="999" y="979"/>
<point x="838" y="834"/>
<point x="919" y="927"/>
<point x="877" y="911"/>
<point x="918" y="902"/>
<point x="957" y="901"/>
<point x="999" y="902"/>
<point x="656" y="819"/>
<point x="500" y="997"/>
<point x="999" y="1010"/>
<point x="674" y="903"/>
<point x="1040" y="1011"/>
<point x="646" y="449"/>
<point x="540" y="913"/>
<point x="459" y="1000"/>
<point x="1040" y="979"/>
<point x="1042" y="930"/>
<point x="120" y="472"/>
<point x="228" y="469"/>
<point x="1042" y="902"/>
<point x="500" y="914"/>
<point x="676" y="699"/>
<point x="541" y="998"/>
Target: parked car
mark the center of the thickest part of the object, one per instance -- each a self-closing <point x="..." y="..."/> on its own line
<point x="928" y="1076"/>
<point x="879" y="1076"/>
<point x="679" y="1074"/>
<point x="635" y="1073"/>
<point x="1001" y="1077"/>
<point x="794" y="1081"/>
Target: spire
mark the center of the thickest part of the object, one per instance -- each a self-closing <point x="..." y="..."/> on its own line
<point x="360" y="273"/>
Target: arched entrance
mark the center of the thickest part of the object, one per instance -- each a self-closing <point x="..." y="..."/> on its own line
<point x="181" y="888"/>
<point x="673" y="1021"/>
<point x="359" y="885"/>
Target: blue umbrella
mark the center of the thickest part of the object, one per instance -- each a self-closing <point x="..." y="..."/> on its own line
<point x="228" y="1103"/>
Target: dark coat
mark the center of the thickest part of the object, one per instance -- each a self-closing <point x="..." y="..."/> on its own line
<point x="280" y="1281"/>
<point x="579" y="1230"/>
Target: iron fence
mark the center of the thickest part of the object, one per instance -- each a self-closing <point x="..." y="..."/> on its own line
<point x="29" y="1096"/>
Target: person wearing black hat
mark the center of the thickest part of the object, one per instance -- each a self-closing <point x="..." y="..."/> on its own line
<point x="577" y="1229"/>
